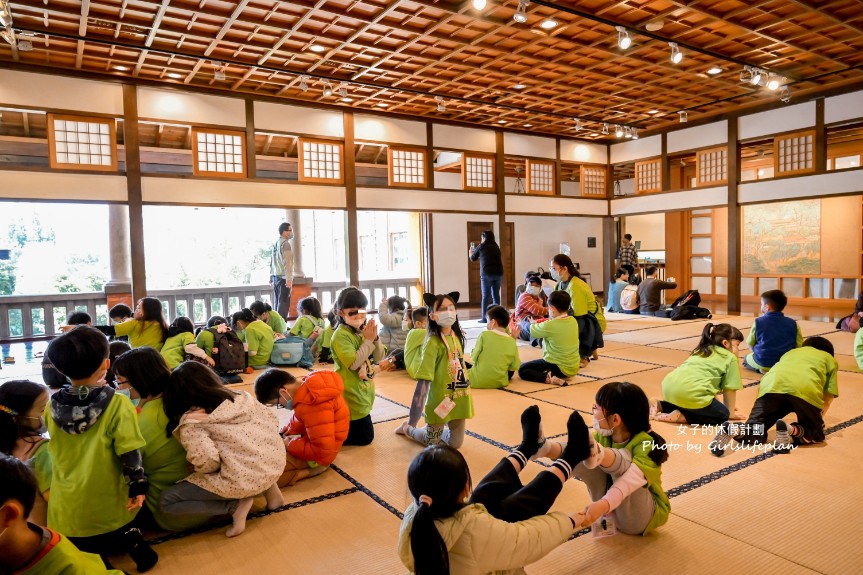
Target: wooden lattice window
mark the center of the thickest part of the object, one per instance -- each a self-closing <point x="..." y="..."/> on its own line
<point x="407" y="167"/>
<point x="219" y="153"/>
<point x="321" y="161"/>
<point x="593" y="181"/>
<point x="540" y="177"/>
<point x="478" y="172"/>
<point x="711" y="166"/>
<point x="794" y="153"/>
<point x="648" y="176"/>
<point x="82" y="143"/>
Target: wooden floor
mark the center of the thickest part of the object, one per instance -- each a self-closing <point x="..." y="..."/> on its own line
<point x="749" y="511"/>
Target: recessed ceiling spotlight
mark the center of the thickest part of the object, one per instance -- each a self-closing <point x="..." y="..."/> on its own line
<point x="623" y="39"/>
<point x="501" y="121"/>
<point x="121" y="68"/>
<point x="520" y="86"/>
<point x="175" y="75"/>
<point x="317" y="48"/>
<point x="382" y="104"/>
<point x="593" y="134"/>
<point x="676" y="54"/>
<point x="478" y="4"/>
<point x="520" y="15"/>
<point x="714" y="71"/>
<point x="653" y="112"/>
<point x="347" y="100"/>
<point x="548" y="24"/>
<point x="684" y="117"/>
<point x="655" y="26"/>
<point x="605" y="129"/>
<point x="528" y="125"/>
<point x="328" y="89"/>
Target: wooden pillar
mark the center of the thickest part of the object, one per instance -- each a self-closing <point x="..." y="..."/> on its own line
<point x="251" y="162"/>
<point x="820" y="138"/>
<point x="134" y="190"/>
<point x="608" y="243"/>
<point x="665" y="165"/>
<point x="353" y="235"/>
<point x="500" y="186"/>
<point x="558" y="169"/>
<point x="734" y="219"/>
<point x="426" y="219"/>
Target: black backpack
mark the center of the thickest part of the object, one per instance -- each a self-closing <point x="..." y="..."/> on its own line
<point x="690" y="298"/>
<point x="229" y="352"/>
<point x="689" y="312"/>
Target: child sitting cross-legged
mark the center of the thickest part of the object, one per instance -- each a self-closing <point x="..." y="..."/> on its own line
<point x="231" y="440"/>
<point x="319" y="424"/>
<point x="772" y="334"/>
<point x="495" y="355"/>
<point x="26" y="548"/>
<point x="560" y="348"/>
<point x="803" y="382"/>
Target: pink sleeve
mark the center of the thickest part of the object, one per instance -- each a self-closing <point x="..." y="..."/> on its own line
<point x="624" y="486"/>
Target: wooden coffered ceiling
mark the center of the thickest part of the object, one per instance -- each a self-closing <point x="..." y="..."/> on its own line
<point x="449" y="61"/>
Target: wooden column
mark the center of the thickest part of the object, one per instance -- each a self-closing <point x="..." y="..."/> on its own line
<point x="608" y="268"/>
<point x="500" y="186"/>
<point x="251" y="162"/>
<point x="558" y="171"/>
<point x="665" y="165"/>
<point x="134" y="191"/>
<point x="734" y="219"/>
<point x="426" y="223"/>
<point x="353" y="235"/>
<point x="820" y="138"/>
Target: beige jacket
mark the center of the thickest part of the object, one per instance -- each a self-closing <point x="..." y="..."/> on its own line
<point x="236" y="450"/>
<point x="479" y="544"/>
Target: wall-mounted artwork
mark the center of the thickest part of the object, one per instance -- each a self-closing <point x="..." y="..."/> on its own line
<point x="782" y="238"/>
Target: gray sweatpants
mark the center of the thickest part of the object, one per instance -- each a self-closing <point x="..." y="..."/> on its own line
<point x="452" y="435"/>
<point x="637" y="509"/>
<point x="186" y="499"/>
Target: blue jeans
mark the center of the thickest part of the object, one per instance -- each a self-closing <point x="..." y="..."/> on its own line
<point x="490" y="291"/>
<point x="281" y="296"/>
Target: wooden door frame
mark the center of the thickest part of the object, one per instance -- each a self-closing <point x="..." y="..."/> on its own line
<point x="508" y="261"/>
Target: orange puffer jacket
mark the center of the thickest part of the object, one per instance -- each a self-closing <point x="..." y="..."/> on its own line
<point x="321" y="418"/>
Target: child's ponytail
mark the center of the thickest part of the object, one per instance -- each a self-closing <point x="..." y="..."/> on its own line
<point x="630" y="402"/>
<point x="659" y="452"/>
<point x="429" y="549"/>
<point x="713" y="335"/>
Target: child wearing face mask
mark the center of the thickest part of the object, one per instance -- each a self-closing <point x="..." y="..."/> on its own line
<point x="394" y="315"/>
<point x="495" y="355"/>
<point x="414" y="341"/>
<point x="22" y="435"/>
<point x="560" y="358"/>
<point x="443" y="384"/>
<point x="319" y="424"/>
<point x="356" y="347"/>
<point x="626" y="456"/>
<point x="530" y="306"/>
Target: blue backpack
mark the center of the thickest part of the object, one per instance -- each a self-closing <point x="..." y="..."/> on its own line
<point x="292" y="350"/>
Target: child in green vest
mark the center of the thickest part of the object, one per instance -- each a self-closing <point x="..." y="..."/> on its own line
<point x="259" y="338"/>
<point x="181" y="341"/>
<point x="98" y="483"/>
<point x="414" y="340"/>
<point x="625" y="456"/>
<point x="264" y="312"/>
<point x="311" y="325"/>
<point x="443" y="386"/>
<point x="495" y="355"/>
<point x="356" y="347"/>
<point x="148" y="326"/>
<point x="560" y="335"/>
<point x="26" y="548"/>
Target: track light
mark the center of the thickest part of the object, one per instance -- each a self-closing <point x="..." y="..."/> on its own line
<point x="478" y="4"/>
<point x="9" y="35"/>
<point x="441" y="107"/>
<point x="328" y="89"/>
<point x="623" y="39"/>
<point x="635" y="133"/>
<point x="773" y="82"/>
<point x="676" y="54"/>
<point x="684" y="117"/>
<point x="618" y="131"/>
<point x="219" y="74"/>
<point x="520" y="15"/>
<point x="785" y="94"/>
<point x="304" y="83"/>
<point x="605" y="129"/>
<point x="343" y="89"/>
<point x="627" y="132"/>
<point x="577" y="125"/>
<point x="746" y="74"/>
<point x="756" y="76"/>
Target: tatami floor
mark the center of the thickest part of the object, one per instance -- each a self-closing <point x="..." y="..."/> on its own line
<point x="750" y="511"/>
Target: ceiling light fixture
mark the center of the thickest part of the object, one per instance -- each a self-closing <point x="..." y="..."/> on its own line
<point x="501" y="121"/>
<point x="785" y="94"/>
<point x="773" y="82"/>
<point x="328" y="89"/>
<point x="528" y="125"/>
<point x="347" y="100"/>
<point x="746" y="74"/>
<point x="577" y="125"/>
<point x="317" y="48"/>
<point x="5" y="16"/>
<point x="304" y="83"/>
<point x="382" y="104"/>
<point x="441" y="107"/>
<point x="635" y="133"/>
<point x="548" y="24"/>
<point x="605" y="129"/>
<point x="676" y="54"/>
<point x="520" y="15"/>
<point x="9" y="35"/>
<point x="653" y="112"/>
<point x="714" y="71"/>
<point x="623" y="39"/>
<point x="343" y="89"/>
<point x="519" y="86"/>
<point x="121" y="68"/>
<point x="684" y="117"/>
<point x="756" y="76"/>
<point x="219" y="74"/>
<point x="593" y="134"/>
<point x="618" y="131"/>
<point x="175" y="75"/>
<point x="478" y="4"/>
<point x="627" y="132"/>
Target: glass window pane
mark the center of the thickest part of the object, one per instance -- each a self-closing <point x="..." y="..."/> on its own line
<point x="721" y="285"/>
<point x="701" y="225"/>
<point x="701" y="265"/>
<point x="747" y="286"/>
<point x="845" y="288"/>
<point x="818" y="287"/>
<point x="701" y="245"/>
<point x="793" y="287"/>
<point x="702" y="284"/>
<point x="847" y="162"/>
<point x="765" y="284"/>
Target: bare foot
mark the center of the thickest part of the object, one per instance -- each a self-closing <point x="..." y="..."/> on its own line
<point x="274" y="497"/>
<point x="239" y="516"/>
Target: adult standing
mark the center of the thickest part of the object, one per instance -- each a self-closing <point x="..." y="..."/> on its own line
<point x="628" y="255"/>
<point x="282" y="270"/>
<point x="490" y="270"/>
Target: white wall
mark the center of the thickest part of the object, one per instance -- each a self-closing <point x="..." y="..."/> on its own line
<point x="188" y="108"/>
<point x="447" y="181"/>
<point x="463" y="139"/>
<point x="556" y="205"/>
<point x="61" y="93"/>
<point x="298" y="120"/>
<point x="522" y="145"/>
<point x="627" y="187"/>
<point x="240" y="193"/>
<point x="56" y="186"/>
<point x="801" y="187"/>
<point x="449" y="238"/>
<point x="578" y="151"/>
<point x="796" y="117"/>
<point x="690" y="199"/>
<point x="636" y="149"/>
<point x="647" y="228"/>
<point x="714" y="134"/>
<point x="424" y="200"/>
<point x="383" y="129"/>
<point x="844" y="107"/>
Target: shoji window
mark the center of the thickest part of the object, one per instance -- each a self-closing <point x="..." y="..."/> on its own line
<point x="321" y="161"/>
<point x="593" y="181"/>
<point x="540" y="177"/>
<point x="648" y="177"/>
<point x="407" y="167"/>
<point x="219" y="153"/>
<point x="794" y="153"/>
<point x="82" y="143"/>
<point x="701" y="251"/>
<point x="478" y="172"/>
<point x="712" y="166"/>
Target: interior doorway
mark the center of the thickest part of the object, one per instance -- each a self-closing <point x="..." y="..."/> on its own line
<point x="507" y="242"/>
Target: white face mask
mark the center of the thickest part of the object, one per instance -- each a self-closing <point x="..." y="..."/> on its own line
<point x="446" y="318"/>
<point x="601" y="430"/>
<point x="534" y="290"/>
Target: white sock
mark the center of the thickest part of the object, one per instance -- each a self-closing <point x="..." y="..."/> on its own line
<point x="274" y="497"/>
<point x="239" y="516"/>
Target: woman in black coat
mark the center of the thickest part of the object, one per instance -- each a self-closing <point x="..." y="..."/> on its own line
<point x="490" y="270"/>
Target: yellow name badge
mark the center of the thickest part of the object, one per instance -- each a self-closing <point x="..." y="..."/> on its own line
<point x="444" y="407"/>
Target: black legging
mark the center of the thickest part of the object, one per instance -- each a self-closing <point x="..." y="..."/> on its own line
<point x="504" y="496"/>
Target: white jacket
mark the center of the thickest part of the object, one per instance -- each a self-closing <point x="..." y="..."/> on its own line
<point x="391" y="332"/>
<point x="236" y="450"/>
<point x="479" y="544"/>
